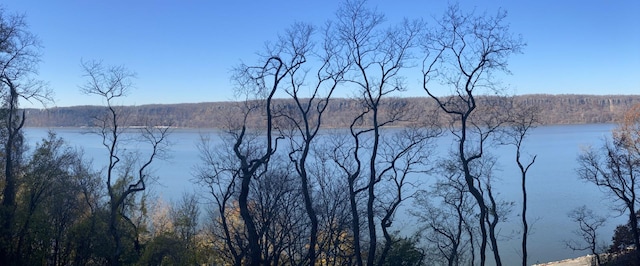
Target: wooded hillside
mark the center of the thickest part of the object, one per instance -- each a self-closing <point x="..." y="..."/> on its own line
<point x="555" y="109"/>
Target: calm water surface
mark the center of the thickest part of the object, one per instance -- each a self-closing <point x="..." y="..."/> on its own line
<point x="553" y="186"/>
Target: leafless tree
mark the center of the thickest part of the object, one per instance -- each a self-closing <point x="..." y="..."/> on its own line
<point x="275" y="203"/>
<point x="378" y="56"/>
<point x="445" y="213"/>
<point x="615" y="168"/>
<point x="462" y="53"/>
<point x="281" y="216"/>
<point x="127" y="172"/>
<point x="335" y="238"/>
<point x="497" y="209"/>
<point x="311" y="95"/>
<point x="19" y="58"/>
<point x="402" y="154"/>
<point x="218" y="175"/>
<point x="588" y="225"/>
<point x="258" y="84"/>
<point x="524" y="119"/>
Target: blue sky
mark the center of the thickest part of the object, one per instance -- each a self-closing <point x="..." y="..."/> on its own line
<point x="182" y="51"/>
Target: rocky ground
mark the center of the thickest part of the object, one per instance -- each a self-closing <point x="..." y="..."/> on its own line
<point x="581" y="261"/>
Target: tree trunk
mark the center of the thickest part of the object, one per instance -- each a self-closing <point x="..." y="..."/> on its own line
<point x="355" y="223"/>
<point x="313" y="238"/>
<point x="308" y="204"/>
<point x="254" y="246"/>
<point x="633" y="222"/>
<point x="469" y="179"/>
<point x="483" y="214"/>
<point x="113" y="229"/>
<point x="525" y="225"/>
<point x="493" y="220"/>
<point x="9" y="193"/>
<point x="371" y="223"/>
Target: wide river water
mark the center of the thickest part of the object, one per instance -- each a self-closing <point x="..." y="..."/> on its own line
<point x="553" y="185"/>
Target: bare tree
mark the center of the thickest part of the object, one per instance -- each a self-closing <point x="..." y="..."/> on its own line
<point x="524" y="120"/>
<point x="450" y="227"/>
<point x="258" y="84"/>
<point x="311" y="96"/>
<point x="444" y="213"/>
<point x="378" y="56"/>
<point x="281" y="216"/>
<point x="276" y="206"/>
<point x="497" y="209"/>
<point x="588" y="225"/>
<point x="615" y="168"/>
<point x="127" y="173"/>
<point x="19" y="58"/>
<point x="402" y="154"/>
<point x="462" y="53"/>
<point x="217" y="173"/>
<point x="335" y="238"/>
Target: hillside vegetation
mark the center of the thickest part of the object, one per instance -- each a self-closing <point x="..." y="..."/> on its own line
<point x="554" y="109"/>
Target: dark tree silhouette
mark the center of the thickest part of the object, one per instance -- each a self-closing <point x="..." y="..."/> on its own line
<point x="378" y="56"/>
<point x="524" y="118"/>
<point x="444" y="213"/>
<point x="588" y="225"/>
<point x="127" y="173"/>
<point x="615" y="168"/>
<point x="311" y="97"/>
<point x="258" y="84"/>
<point x="463" y="52"/>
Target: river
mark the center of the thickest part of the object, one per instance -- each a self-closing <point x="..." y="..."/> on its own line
<point x="553" y="186"/>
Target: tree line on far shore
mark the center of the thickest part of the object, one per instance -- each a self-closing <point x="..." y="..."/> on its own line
<point x="554" y="110"/>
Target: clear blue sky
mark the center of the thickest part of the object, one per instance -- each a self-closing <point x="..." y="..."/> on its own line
<point x="182" y="51"/>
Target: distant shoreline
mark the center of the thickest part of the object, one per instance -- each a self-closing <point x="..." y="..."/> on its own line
<point x="564" y="109"/>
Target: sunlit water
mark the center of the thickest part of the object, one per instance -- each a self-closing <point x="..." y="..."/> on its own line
<point x="553" y="186"/>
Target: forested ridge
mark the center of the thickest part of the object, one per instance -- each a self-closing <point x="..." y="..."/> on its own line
<point x="554" y="109"/>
